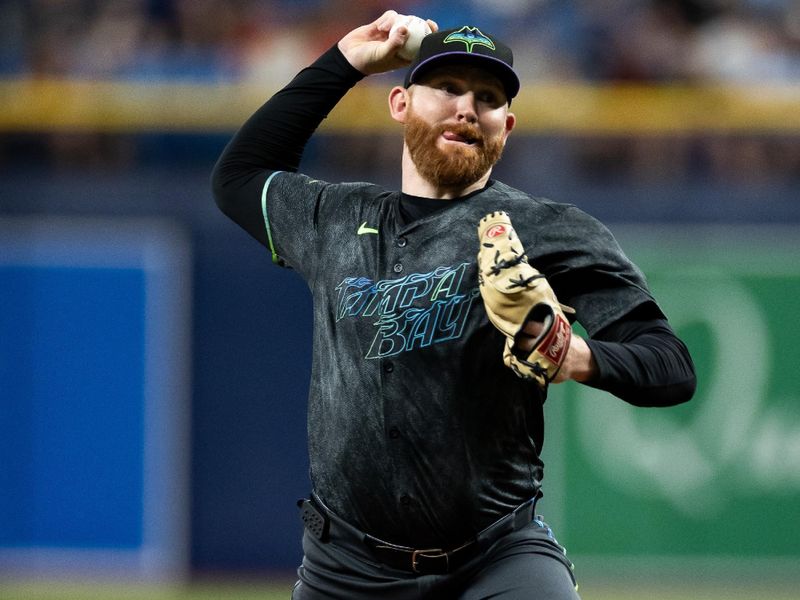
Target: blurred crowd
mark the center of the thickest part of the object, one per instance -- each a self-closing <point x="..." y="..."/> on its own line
<point x="643" y="40"/>
<point x="750" y="42"/>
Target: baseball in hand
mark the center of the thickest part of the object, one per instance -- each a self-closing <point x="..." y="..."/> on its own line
<point x="417" y="29"/>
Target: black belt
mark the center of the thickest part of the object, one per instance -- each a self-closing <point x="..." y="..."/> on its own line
<point x="428" y="561"/>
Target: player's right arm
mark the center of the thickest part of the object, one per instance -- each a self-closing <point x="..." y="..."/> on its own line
<point x="274" y="137"/>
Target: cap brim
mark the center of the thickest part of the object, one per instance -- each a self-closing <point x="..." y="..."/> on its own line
<point x="507" y="76"/>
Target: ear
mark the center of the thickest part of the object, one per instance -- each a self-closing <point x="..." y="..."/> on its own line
<point x="511" y="121"/>
<point x="398" y="103"/>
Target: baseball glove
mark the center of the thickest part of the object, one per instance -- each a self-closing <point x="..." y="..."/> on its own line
<point x="514" y="293"/>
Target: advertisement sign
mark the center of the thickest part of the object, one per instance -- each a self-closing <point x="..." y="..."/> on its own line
<point x="715" y="478"/>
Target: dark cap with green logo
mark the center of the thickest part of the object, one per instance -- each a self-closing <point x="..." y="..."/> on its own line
<point x="465" y="45"/>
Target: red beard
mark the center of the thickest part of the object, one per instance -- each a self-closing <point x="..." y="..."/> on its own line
<point x="459" y="165"/>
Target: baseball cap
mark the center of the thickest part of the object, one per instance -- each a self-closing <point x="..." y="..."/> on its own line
<point x="465" y="45"/>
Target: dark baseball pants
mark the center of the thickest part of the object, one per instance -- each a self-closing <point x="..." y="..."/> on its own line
<point x="527" y="564"/>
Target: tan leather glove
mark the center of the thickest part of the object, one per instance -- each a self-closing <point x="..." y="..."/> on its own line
<point x="513" y="293"/>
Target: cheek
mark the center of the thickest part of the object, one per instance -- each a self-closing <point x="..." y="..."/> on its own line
<point x="431" y="110"/>
<point x="431" y="114"/>
<point x="495" y="129"/>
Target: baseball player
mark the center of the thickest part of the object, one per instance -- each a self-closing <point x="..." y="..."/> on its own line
<point x="442" y="314"/>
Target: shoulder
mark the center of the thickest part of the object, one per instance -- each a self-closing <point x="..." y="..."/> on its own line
<point x="362" y="188"/>
<point x="298" y="187"/>
<point x="535" y="210"/>
<point x="368" y="200"/>
<point x="555" y="228"/>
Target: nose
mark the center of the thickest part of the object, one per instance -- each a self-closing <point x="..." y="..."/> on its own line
<point x="465" y="108"/>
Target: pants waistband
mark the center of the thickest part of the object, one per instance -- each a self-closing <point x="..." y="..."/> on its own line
<point x="326" y="526"/>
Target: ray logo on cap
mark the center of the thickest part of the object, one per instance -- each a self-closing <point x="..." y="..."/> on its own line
<point x="470" y="36"/>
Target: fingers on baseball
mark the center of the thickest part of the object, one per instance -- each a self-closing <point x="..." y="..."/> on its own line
<point x="392" y="25"/>
<point x="386" y="20"/>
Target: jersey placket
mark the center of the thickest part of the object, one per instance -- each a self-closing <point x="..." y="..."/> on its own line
<point x="395" y="250"/>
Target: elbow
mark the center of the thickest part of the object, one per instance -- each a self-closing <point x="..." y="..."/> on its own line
<point x="682" y="386"/>
<point x="690" y="389"/>
<point x="217" y="186"/>
<point x="671" y="395"/>
<point x="681" y="393"/>
<point x="220" y="191"/>
<point x="684" y="390"/>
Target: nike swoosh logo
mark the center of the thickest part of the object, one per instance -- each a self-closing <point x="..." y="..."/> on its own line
<point x="362" y="229"/>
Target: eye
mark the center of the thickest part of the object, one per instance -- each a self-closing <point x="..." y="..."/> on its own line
<point x="490" y="97"/>
<point x="448" y="87"/>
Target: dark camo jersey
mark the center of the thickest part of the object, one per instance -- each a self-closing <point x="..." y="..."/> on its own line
<point x="418" y="434"/>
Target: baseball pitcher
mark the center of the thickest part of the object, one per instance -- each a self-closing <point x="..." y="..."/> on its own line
<point x="443" y="313"/>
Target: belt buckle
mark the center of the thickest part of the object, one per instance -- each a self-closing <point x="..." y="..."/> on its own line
<point x="433" y="553"/>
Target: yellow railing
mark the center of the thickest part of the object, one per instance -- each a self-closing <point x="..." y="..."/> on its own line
<point x="113" y="106"/>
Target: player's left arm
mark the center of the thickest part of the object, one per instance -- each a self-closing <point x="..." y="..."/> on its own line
<point x="642" y="360"/>
<point x="638" y="358"/>
<point x="631" y="352"/>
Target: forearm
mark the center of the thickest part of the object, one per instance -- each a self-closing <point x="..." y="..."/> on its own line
<point x="275" y="136"/>
<point x="643" y="363"/>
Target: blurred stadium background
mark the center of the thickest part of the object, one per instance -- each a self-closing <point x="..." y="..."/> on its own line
<point x="154" y="365"/>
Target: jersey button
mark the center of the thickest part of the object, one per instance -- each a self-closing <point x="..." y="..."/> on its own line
<point x="388" y="366"/>
<point x="394" y="433"/>
<point x="401" y="242"/>
<point x="405" y="500"/>
<point x="397" y="268"/>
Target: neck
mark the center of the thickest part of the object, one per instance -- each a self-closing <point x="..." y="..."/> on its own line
<point x="415" y="184"/>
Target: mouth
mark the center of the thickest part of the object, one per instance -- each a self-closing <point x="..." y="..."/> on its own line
<point x="460" y="138"/>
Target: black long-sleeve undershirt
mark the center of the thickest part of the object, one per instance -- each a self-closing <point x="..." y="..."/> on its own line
<point x="639" y="357"/>
<point x="274" y="137"/>
<point x="642" y="361"/>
